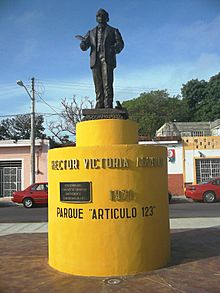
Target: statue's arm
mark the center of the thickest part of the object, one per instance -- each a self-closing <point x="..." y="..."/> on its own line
<point x="85" y="43"/>
<point x="119" y="43"/>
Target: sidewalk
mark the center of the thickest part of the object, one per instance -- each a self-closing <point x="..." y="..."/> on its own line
<point x="179" y="223"/>
<point x="194" y="265"/>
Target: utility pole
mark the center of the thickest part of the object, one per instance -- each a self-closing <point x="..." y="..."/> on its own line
<point x="32" y="97"/>
<point x="32" y="132"/>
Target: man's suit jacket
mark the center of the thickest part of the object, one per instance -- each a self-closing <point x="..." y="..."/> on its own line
<point x="112" y="45"/>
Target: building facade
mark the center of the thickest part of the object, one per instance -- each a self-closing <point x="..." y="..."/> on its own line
<point x="193" y="152"/>
<point x="175" y="164"/>
<point x="15" y="161"/>
<point x="202" y="158"/>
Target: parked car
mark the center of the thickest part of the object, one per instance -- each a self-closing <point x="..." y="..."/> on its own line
<point x="207" y="191"/>
<point x="35" y="194"/>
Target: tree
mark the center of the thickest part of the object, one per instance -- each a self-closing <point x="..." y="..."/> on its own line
<point x="211" y="108"/>
<point x="203" y="98"/>
<point x="151" y="110"/>
<point x="194" y="92"/>
<point x="71" y="113"/>
<point x="19" y="127"/>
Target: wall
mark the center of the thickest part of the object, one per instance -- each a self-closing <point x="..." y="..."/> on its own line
<point x="198" y="147"/>
<point x="41" y="163"/>
<point x="10" y="150"/>
<point x="190" y="156"/>
<point x="175" y="169"/>
<point x="175" y="184"/>
<point x="174" y="165"/>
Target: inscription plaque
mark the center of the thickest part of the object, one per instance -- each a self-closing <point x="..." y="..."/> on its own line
<point x="75" y="191"/>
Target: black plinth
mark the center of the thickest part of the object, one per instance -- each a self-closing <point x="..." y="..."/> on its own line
<point x="105" y="113"/>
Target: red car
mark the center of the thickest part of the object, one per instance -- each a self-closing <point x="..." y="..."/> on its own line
<point x="33" y="195"/>
<point x="207" y="191"/>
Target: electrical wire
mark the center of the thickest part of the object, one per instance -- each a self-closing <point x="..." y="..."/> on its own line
<point x="21" y="114"/>
<point x="52" y="108"/>
<point x="70" y="85"/>
<point x="11" y="87"/>
<point x="42" y="84"/>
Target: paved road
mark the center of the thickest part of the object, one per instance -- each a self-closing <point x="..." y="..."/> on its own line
<point x="194" y="210"/>
<point x="19" y="214"/>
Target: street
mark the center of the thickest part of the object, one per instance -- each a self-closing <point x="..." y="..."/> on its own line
<point x="194" y="210"/>
<point x="19" y="214"/>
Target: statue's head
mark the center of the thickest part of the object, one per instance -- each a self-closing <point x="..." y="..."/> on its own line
<point x="102" y="16"/>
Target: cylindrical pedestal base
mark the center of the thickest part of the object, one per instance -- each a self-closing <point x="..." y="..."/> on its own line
<point x="124" y="229"/>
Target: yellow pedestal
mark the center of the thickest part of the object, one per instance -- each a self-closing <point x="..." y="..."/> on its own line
<point x="124" y="230"/>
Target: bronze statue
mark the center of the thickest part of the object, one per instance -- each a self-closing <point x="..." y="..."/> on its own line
<point x="105" y="42"/>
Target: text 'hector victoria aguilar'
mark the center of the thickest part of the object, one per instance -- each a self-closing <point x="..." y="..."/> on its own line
<point x="104" y="163"/>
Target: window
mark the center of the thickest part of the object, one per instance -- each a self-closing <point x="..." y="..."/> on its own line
<point x="207" y="169"/>
<point x="216" y="182"/>
<point x="10" y="177"/>
<point x="38" y="187"/>
<point x="184" y="133"/>
<point x="197" y="133"/>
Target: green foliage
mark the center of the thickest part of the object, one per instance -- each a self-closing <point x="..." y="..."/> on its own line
<point x="193" y="93"/>
<point x="20" y="127"/>
<point x="203" y="98"/>
<point x="151" y="110"/>
<point x="200" y="102"/>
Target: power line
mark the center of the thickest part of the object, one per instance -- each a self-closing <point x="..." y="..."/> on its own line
<point x="52" y="108"/>
<point x="37" y="114"/>
<point x="80" y="85"/>
<point x="69" y="84"/>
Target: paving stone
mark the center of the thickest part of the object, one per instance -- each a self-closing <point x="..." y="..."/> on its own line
<point x="194" y="267"/>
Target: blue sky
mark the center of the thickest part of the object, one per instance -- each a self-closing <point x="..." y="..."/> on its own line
<point x="167" y="43"/>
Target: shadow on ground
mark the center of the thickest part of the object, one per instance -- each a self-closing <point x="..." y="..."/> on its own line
<point x="195" y="244"/>
<point x="4" y="204"/>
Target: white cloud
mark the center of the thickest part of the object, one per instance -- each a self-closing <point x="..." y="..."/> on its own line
<point x="199" y="34"/>
<point x="27" y="51"/>
<point x="205" y="32"/>
<point x="170" y="77"/>
<point x="128" y="84"/>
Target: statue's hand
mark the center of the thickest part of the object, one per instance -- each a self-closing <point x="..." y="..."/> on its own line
<point x="83" y="46"/>
<point x="79" y="37"/>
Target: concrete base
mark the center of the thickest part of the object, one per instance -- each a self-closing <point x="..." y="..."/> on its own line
<point x="107" y="202"/>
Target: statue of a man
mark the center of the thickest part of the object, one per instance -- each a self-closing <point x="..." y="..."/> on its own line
<point x="105" y="42"/>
